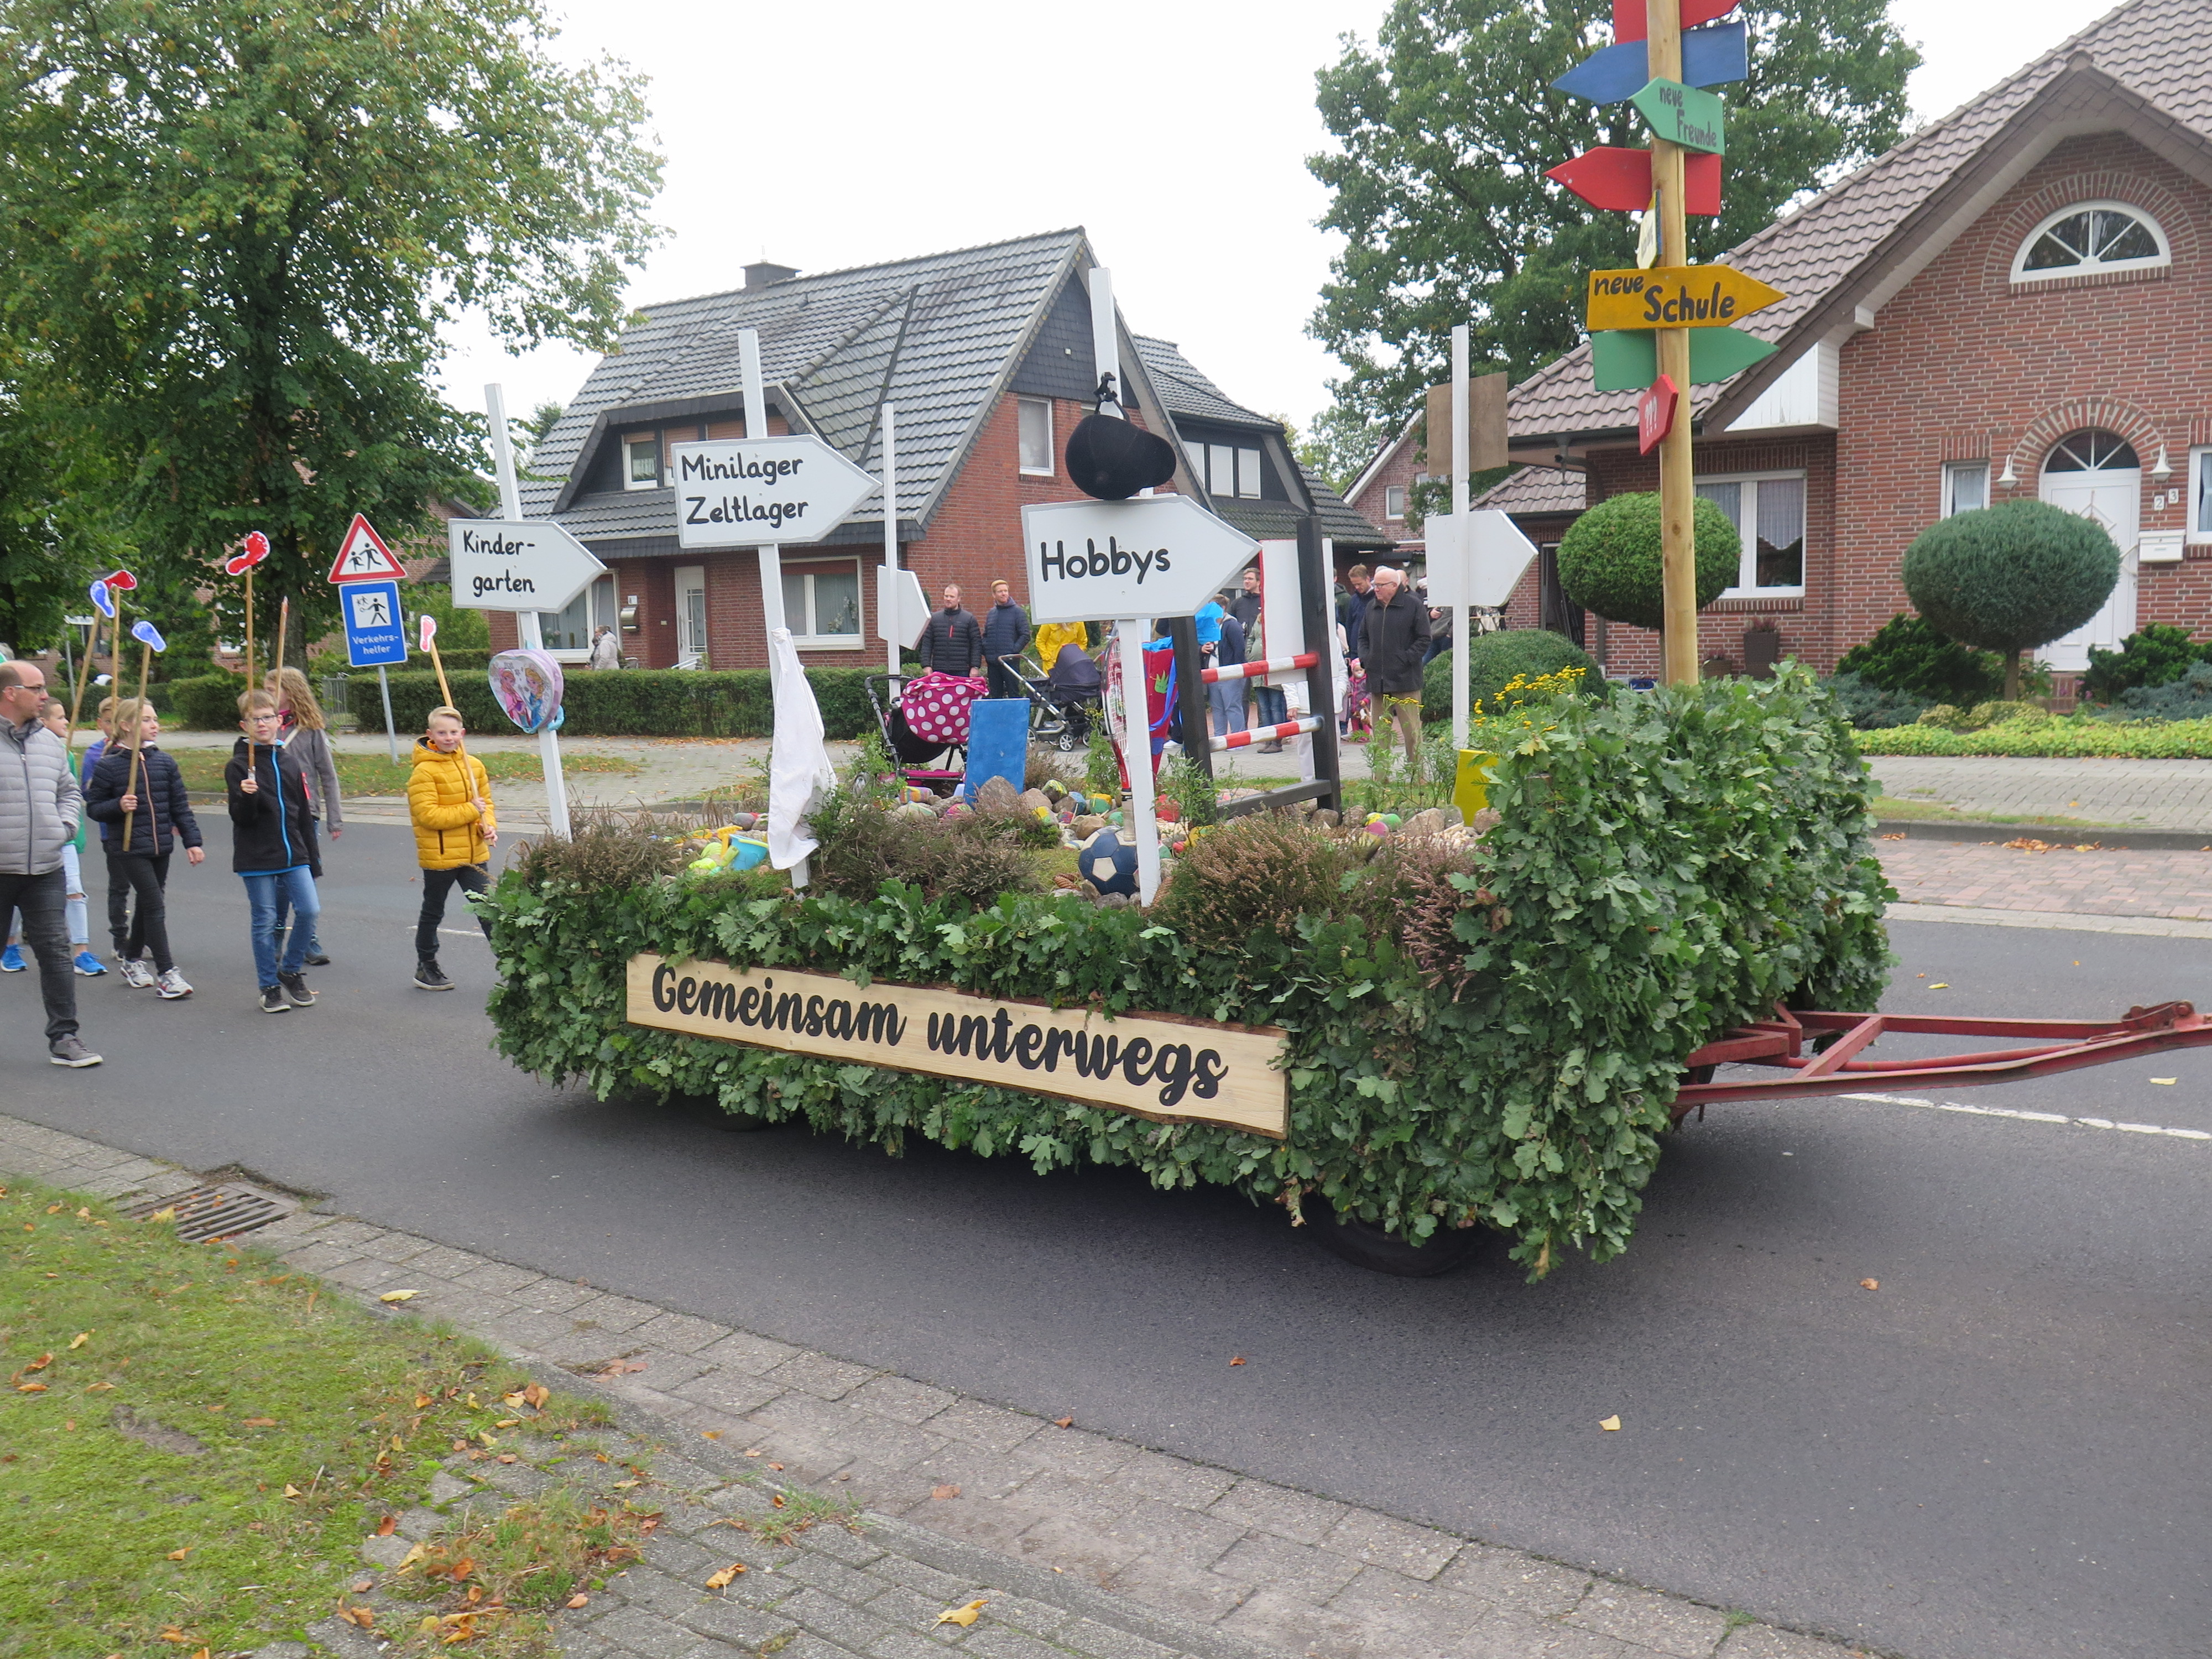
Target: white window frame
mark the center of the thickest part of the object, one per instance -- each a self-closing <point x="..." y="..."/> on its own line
<point x="1247" y="473"/>
<point x="807" y="570"/>
<point x="2023" y="277"/>
<point x="2200" y="495"/>
<point x="599" y="600"/>
<point x="1043" y="406"/>
<point x="1747" y="559"/>
<point x="1951" y="472"/>
<point x="1394" y="501"/>
<point x="629" y="448"/>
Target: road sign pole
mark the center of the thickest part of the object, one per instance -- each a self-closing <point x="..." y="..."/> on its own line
<point x="1459" y="494"/>
<point x="887" y="590"/>
<point x="528" y="633"/>
<point x="391" y="733"/>
<point x="1677" y="488"/>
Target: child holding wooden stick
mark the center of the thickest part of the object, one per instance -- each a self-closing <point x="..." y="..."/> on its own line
<point x="449" y="800"/>
<point x="139" y="791"/>
<point x="267" y="796"/>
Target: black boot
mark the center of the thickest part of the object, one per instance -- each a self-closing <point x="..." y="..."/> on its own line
<point x="428" y="976"/>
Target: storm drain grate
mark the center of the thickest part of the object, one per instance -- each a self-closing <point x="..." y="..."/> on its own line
<point x="223" y="1209"/>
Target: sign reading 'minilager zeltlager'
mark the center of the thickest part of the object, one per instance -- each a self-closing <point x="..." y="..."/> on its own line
<point x="746" y="492"/>
<point x="1157" y="1065"/>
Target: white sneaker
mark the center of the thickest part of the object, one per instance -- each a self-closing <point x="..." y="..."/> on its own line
<point x="137" y="974"/>
<point x="172" y="985"/>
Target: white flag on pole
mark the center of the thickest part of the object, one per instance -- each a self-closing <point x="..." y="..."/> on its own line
<point x="799" y="772"/>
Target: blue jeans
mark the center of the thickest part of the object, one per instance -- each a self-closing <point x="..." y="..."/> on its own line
<point x="1273" y="710"/>
<point x="261" y="893"/>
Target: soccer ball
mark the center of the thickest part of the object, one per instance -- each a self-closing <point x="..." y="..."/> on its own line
<point x="1108" y="863"/>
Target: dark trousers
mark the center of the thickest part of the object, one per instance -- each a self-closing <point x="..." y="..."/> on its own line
<point x="144" y="875"/>
<point x="119" y="896"/>
<point x="436" y="885"/>
<point x="43" y="900"/>
<point x="1003" y="683"/>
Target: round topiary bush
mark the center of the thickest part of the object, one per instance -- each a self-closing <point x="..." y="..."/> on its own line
<point x="1494" y="659"/>
<point x="2011" y="577"/>
<point x="1609" y="560"/>
<point x="1908" y="656"/>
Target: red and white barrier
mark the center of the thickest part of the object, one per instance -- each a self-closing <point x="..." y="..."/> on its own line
<point x="1247" y="671"/>
<point x="1266" y="733"/>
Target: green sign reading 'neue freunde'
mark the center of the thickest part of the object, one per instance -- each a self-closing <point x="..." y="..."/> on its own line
<point x="1686" y="115"/>
<point x="1162" y="1067"/>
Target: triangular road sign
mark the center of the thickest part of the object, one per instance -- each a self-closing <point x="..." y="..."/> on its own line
<point x="363" y="557"/>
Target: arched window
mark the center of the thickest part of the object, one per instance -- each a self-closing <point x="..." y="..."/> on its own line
<point x="2089" y="238"/>
<point x="2093" y="451"/>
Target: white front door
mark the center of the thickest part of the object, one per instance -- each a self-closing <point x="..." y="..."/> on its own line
<point x="691" y="614"/>
<point x="2111" y="496"/>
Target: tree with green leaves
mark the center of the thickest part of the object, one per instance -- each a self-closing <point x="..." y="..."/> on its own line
<point x="1445" y="127"/>
<point x="237" y="227"/>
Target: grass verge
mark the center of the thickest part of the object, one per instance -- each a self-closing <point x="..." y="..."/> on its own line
<point x="373" y="774"/>
<point x="195" y="1442"/>
<point x="1932" y="812"/>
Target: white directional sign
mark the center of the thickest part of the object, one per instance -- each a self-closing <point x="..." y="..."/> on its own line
<point x="1150" y="555"/>
<point x="747" y="492"/>
<point x="904" y="611"/>
<point x="517" y="564"/>
<point x="1477" y="561"/>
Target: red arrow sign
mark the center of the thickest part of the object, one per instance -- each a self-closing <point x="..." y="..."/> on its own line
<point x="1619" y="181"/>
<point x="1655" y="414"/>
<point x="1628" y="22"/>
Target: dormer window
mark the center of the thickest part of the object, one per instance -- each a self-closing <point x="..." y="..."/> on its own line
<point x="2089" y="239"/>
<point x="641" y="463"/>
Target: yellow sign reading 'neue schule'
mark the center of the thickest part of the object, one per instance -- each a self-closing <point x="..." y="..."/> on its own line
<point x="1675" y="296"/>
<point x="1157" y="1065"/>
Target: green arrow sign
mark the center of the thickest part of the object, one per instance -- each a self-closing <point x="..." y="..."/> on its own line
<point x="1627" y="360"/>
<point x="1684" y="115"/>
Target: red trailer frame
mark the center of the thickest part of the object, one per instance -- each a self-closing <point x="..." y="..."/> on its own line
<point x="1822" y="1052"/>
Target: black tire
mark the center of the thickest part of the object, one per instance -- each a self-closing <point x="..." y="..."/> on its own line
<point x="1065" y="742"/>
<point x="1365" y="1244"/>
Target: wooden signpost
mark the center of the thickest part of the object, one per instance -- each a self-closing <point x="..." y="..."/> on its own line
<point x="1665" y="329"/>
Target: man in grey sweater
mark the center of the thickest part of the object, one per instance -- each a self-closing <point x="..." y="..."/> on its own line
<point x="39" y="807"/>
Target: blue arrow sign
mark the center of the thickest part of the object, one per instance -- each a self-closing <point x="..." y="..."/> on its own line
<point x="1711" y="55"/>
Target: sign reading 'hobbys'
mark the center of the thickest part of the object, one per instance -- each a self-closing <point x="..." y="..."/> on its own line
<point x="749" y="492"/>
<point x="1150" y="555"/>
<point x="1156" y="1065"/>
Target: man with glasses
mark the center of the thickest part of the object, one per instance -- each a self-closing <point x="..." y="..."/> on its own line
<point x="39" y="807"/>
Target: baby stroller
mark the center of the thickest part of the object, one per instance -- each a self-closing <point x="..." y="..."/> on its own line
<point x="934" y="757"/>
<point x="1069" y="701"/>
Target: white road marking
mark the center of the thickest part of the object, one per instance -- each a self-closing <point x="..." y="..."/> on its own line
<point x="2035" y="1117"/>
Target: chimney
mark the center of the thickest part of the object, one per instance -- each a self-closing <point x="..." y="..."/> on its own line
<point x="764" y="275"/>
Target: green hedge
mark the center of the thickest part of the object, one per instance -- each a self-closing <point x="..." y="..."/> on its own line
<point x="1667" y="864"/>
<point x="635" y="702"/>
<point x="2079" y="738"/>
<point x="1494" y="659"/>
<point x="205" y="702"/>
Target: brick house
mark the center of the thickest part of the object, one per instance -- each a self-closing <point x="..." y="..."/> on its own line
<point x="2011" y="303"/>
<point x="986" y="354"/>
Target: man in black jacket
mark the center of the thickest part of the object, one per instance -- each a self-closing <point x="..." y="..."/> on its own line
<point x="952" y="643"/>
<point x="1005" y="635"/>
<point x="1394" y="641"/>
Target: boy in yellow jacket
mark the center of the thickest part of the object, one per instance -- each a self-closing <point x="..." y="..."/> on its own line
<point x="449" y="800"/>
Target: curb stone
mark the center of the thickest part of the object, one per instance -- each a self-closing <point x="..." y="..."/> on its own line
<point x="1082" y="1545"/>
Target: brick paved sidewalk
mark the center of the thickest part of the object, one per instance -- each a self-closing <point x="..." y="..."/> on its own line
<point x="2146" y="794"/>
<point x="1993" y="876"/>
<point x="1079" y="1545"/>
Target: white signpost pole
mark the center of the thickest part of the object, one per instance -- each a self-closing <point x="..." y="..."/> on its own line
<point x="770" y="556"/>
<point x="887" y="590"/>
<point x="527" y="633"/>
<point x="1462" y="633"/>
<point x="1132" y="632"/>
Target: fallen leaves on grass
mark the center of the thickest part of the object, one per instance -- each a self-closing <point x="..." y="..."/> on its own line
<point x="79" y="1340"/>
<point x="962" y="1616"/>
<point x="578" y="1599"/>
<point x="261" y="1422"/>
<point x="386" y="1525"/>
<point x="365" y="1617"/>
<point x="398" y="1295"/>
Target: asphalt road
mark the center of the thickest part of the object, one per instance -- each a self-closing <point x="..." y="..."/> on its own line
<point x="1999" y="1453"/>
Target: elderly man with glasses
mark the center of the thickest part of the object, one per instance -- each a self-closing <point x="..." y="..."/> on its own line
<point x="39" y="807"/>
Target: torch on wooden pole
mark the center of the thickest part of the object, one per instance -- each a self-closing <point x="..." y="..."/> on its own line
<point x="1678" y="551"/>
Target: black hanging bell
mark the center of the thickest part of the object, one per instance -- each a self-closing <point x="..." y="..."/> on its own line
<point x="1112" y="459"/>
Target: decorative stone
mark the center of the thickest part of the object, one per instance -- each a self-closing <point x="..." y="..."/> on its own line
<point x="1327" y="818"/>
<point x="914" y="810"/>
<point x="1035" y="801"/>
<point x="1375" y="827"/>
<point x="1427" y="822"/>
<point x="1055" y="789"/>
<point x="1168" y="812"/>
<point x="1087" y="825"/>
<point x="1453" y="817"/>
<point x="997" y="795"/>
<point x="1487" y="819"/>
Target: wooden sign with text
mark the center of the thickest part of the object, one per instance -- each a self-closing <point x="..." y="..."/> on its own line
<point x="1675" y="296"/>
<point x="1161" y="1066"/>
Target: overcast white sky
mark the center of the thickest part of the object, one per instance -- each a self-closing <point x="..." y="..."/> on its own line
<point x="834" y="134"/>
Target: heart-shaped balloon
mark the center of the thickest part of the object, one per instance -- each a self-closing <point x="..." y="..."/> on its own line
<point x="528" y="685"/>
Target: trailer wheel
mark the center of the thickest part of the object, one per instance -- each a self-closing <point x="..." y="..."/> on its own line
<point x="1365" y="1244"/>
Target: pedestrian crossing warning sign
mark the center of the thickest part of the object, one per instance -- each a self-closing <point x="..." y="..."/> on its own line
<point x="363" y="557"/>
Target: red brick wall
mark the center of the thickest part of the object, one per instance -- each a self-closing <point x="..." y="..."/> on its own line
<point x="1962" y="366"/>
<point x="1398" y="472"/>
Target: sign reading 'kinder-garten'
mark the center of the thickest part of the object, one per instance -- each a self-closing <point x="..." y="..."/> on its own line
<point x="1156" y="1065"/>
